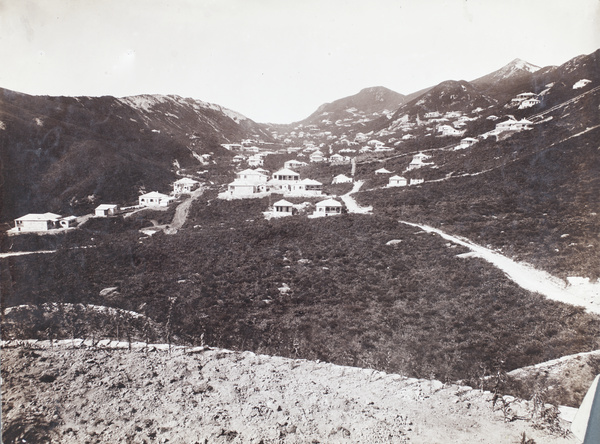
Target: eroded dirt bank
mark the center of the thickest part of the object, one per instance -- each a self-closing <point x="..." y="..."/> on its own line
<point x="89" y="395"/>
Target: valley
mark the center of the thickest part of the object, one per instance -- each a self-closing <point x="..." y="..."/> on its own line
<point x="435" y="242"/>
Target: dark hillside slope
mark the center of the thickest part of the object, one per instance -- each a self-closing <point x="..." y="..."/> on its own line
<point x="65" y="154"/>
<point x="368" y="101"/>
<point x="330" y="289"/>
<point x="541" y="206"/>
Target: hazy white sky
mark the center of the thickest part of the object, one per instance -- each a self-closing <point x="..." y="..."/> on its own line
<point x="278" y="60"/>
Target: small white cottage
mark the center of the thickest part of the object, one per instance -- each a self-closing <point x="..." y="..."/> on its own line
<point x="37" y="222"/>
<point x="341" y="178"/>
<point x="283" y="208"/>
<point x="185" y="185"/>
<point x="155" y="198"/>
<point x="328" y="207"/>
<point x="397" y="181"/>
<point x="106" y="210"/>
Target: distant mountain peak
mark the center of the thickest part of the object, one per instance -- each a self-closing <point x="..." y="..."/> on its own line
<point x="520" y="64"/>
<point x="518" y="67"/>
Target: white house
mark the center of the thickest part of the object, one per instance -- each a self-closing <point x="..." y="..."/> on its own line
<point x="338" y="159"/>
<point x="106" y="210"/>
<point x="382" y="171"/>
<point x="408" y="137"/>
<point x="523" y="96"/>
<point x="447" y="130"/>
<point x="155" y="198"/>
<point x="294" y="164"/>
<point x="418" y="161"/>
<point x="328" y="207"/>
<point x="255" y="161"/>
<point x="242" y="188"/>
<point x="513" y="124"/>
<point x="416" y="181"/>
<point x="38" y="222"/>
<point x="466" y="143"/>
<point x="185" y="185"/>
<point x="286" y="174"/>
<point x="341" y="178"/>
<point x="283" y="180"/>
<point x="528" y="103"/>
<point x="317" y="156"/>
<point x="283" y="208"/>
<point x="68" y="222"/>
<point x="397" y="181"/>
<point x="252" y="176"/>
<point x="238" y="158"/>
<point x="307" y="186"/>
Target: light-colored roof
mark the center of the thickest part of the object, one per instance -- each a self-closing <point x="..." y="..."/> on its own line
<point x="396" y="177"/>
<point x="45" y="216"/>
<point x="341" y="176"/>
<point x="283" y="203"/>
<point x="329" y="203"/>
<point x="285" y="172"/>
<point x="383" y="170"/>
<point x="469" y="139"/>
<point x="250" y="171"/>
<point x="310" y="182"/>
<point x="106" y="206"/>
<point x="242" y="183"/>
<point x="186" y="180"/>
<point x="155" y="194"/>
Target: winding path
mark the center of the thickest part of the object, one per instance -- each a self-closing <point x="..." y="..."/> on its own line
<point x="527" y="277"/>
<point x="351" y="204"/>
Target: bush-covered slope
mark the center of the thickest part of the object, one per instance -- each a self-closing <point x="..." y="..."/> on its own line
<point x="328" y="289"/>
<point x="66" y="155"/>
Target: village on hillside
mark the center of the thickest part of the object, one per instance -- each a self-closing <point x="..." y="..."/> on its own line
<point x="307" y="146"/>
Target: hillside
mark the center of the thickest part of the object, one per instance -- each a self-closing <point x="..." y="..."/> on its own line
<point x="368" y="104"/>
<point x="67" y="154"/>
<point x="206" y="395"/>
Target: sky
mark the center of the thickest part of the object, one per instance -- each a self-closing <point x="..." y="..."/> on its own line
<point x="278" y="60"/>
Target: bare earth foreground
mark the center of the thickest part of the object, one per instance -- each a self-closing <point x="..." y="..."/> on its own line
<point x="82" y="394"/>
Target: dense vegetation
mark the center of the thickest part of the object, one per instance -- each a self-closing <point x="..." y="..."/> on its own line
<point x="541" y="207"/>
<point x="329" y="289"/>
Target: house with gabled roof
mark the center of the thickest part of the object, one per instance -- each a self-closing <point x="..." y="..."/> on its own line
<point x="317" y="156"/>
<point x="397" y="181"/>
<point x="341" y="178"/>
<point x="382" y="171"/>
<point x="154" y="198"/>
<point x="185" y="185"/>
<point x="252" y="176"/>
<point x="294" y="164"/>
<point x="418" y="161"/>
<point x="286" y="174"/>
<point x="328" y="207"/>
<point x="307" y="186"/>
<point x="283" y="208"/>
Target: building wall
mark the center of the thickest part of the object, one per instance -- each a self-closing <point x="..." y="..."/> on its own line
<point x="35" y="225"/>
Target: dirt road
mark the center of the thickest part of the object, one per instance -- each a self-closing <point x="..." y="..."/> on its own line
<point x="529" y="278"/>
<point x="351" y="204"/>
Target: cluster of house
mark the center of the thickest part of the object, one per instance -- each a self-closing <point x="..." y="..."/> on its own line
<point x="50" y="221"/>
<point x="327" y="207"/>
<point x="510" y="125"/>
<point x="525" y="100"/>
<point x="286" y="181"/>
<point x="396" y="180"/>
